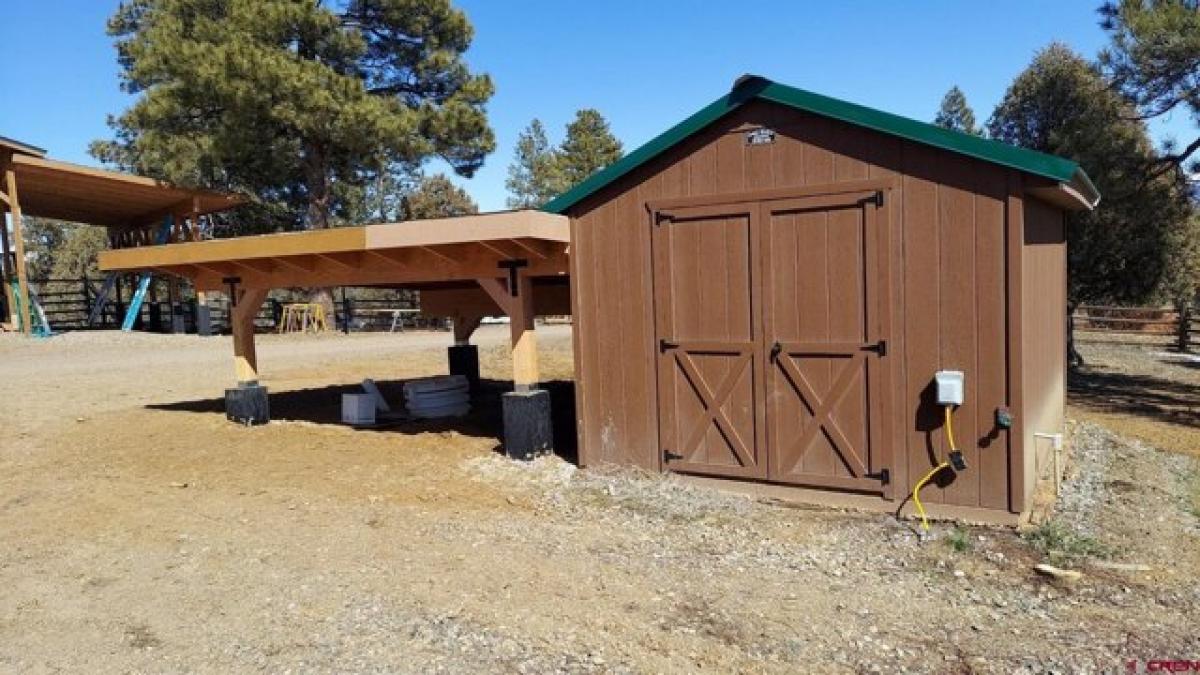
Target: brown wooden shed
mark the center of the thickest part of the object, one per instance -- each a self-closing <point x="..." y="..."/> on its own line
<point x="764" y="292"/>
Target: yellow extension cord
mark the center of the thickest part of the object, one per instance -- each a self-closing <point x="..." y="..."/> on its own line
<point x="916" y="493"/>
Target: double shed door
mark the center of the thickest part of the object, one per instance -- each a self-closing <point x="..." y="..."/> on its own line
<point x="772" y="327"/>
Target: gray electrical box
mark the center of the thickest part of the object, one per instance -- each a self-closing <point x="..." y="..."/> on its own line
<point x="950" y="386"/>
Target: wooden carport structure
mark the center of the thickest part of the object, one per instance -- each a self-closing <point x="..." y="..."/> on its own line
<point x="512" y="263"/>
<point x="132" y="209"/>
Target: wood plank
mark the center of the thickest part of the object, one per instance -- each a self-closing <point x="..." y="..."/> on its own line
<point x="19" y="244"/>
<point x="1014" y="241"/>
<point x="497" y="290"/>
<point x="957" y="316"/>
<point x="524" y="339"/>
<point x="241" y="322"/>
<point x="822" y="187"/>
<point x="922" y="318"/>
<point x="990" y="336"/>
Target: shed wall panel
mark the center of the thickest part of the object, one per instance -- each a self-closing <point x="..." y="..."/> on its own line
<point x="948" y="290"/>
<point x="1044" y="310"/>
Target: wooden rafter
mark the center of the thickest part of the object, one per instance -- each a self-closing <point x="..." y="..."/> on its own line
<point x="257" y="265"/>
<point x="392" y="256"/>
<point x="349" y="260"/>
<point x="304" y="264"/>
<point x="539" y="248"/>
<point x="438" y="254"/>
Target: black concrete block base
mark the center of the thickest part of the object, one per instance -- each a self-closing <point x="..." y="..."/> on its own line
<point x="154" y="309"/>
<point x="177" y="323"/>
<point x="464" y="360"/>
<point x="203" y="320"/>
<point x="247" y="404"/>
<point x="527" y="429"/>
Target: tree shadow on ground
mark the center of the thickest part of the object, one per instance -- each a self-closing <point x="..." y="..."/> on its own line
<point x="322" y="405"/>
<point x="1103" y="390"/>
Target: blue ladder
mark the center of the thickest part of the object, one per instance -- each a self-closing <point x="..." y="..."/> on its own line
<point x="139" y="296"/>
<point x="37" y="314"/>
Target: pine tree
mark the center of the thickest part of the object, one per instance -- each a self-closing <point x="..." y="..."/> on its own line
<point x="533" y="177"/>
<point x="589" y="146"/>
<point x="1154" y="59"/>
<point x="956" y="114"/>
<point x="1127" y="249"/>
<point x="299" y="104"/>
<point x="436" y="197"/>
<point x="43" y="239"/>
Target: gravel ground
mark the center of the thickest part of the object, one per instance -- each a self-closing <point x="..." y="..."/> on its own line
<point x="145" y="534"/>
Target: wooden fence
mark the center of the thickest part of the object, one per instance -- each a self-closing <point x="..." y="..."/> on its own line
<point x="68" y="302"/>
<point x="1168" y="327"/>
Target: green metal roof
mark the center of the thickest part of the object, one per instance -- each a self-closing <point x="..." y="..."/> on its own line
<point x="752" y="87"/>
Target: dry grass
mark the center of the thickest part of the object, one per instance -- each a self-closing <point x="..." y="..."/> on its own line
<point x="1139" y="390"/>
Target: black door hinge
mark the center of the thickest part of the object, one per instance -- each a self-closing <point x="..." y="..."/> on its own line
<point x="664" y="345"/>
<point x="879" y="348"/>
<point x="776" y="350"/>
<point x="670" y="456"/>
<point x="879" y="198"/>
<point x="884" y="476"/>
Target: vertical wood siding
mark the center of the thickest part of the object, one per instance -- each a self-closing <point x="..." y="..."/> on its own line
<point x="948" y="291"/>
<point x="1044" y="311"/>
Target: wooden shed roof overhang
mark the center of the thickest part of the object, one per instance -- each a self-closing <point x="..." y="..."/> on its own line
<point x="464" y="248"/>
<point x="131" y="207"/>
<point x="64" y="191"/>
<point x="1059" y="181"/>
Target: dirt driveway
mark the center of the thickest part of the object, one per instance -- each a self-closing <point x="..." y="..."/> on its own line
<point x="142" y="532"/>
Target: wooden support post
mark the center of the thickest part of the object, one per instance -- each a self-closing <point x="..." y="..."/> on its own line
<point x="6" y="271"/>
<point x="14" y="206"/>
<point x="241" y="323"/>
<point x="524" y="342"/>
<point x="517" y="303"/>
<point x="528" y="428"/>
<point x="246" y="403"/>
<point x="464" y="327"/>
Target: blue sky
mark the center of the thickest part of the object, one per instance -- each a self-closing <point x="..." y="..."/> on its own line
<point x="644" y="64"/>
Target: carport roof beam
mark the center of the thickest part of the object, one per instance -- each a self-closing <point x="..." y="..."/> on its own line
<point x="410" y="253"/>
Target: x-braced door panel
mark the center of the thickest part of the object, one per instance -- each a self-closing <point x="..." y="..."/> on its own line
<point x="825" y="268"/>
<point x="710" y="348"/>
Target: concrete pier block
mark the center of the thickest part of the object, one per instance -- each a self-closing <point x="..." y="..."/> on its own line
<point x="464" y="360"/>
<point x="247" y="404"/>
<point x="528" y="432"/>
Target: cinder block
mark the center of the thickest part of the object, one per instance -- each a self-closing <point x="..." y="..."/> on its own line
<point x="247" y="404"/>
<point x="527" y="428"/>
<point x="464" y="360"/>
<point x="203" y="320"/>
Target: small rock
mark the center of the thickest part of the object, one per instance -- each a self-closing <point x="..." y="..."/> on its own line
<point x="1057" y="572"/>
<point x="177" y="485"/>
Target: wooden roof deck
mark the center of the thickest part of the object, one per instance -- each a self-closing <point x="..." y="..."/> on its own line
<point x="64" y="191"/>
<point x="390" y="254"/>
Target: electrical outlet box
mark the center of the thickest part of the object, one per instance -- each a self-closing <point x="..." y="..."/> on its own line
<point x="950" y="386"/>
